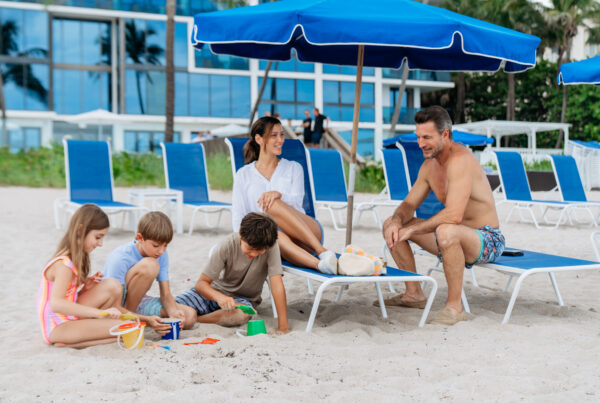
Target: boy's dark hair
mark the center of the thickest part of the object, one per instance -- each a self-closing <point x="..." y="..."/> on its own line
<point x="156" y="226"/>
<point x="258" y="230"/>
<point x="438" y="115"/>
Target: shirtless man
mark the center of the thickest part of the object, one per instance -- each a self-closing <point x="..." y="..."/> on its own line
<point x="465" y="232"/>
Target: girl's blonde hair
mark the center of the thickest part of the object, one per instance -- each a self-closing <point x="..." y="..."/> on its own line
<point x="87" y="218"/>
<point x="262" y="127"/>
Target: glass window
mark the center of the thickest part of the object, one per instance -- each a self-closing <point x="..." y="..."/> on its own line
<point x="24" y="138"/>
<point x="145" y="141"/>
<point x="199" y="95"/>
<point x="305" y="91"/>
<point x="156" y="37"/>
<point x="351" y="70"/>
<point x="145" y="42"/>
<point x="331" y="91"/>
<point x="29" y="40"/>
<point x="155" y="92"/>
<point x="285" y="89"/>
<point x="181" y="94"/>
<point x="338" y="98"/>
<point x="67" y="91"/>
<point x="81" y="42"/>
<point x="240" y="96"/>
<point x="365" y="140"/>
<point x="219" y="96"/>
<point x="181" y="43"/>
<point x="26" y="86"/>
<point x="135" y="90"/>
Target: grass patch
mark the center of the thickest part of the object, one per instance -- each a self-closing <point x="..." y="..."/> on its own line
<point x="46" y="168"/>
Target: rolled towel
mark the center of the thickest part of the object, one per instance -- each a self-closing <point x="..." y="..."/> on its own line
<point x="328" y="263"/>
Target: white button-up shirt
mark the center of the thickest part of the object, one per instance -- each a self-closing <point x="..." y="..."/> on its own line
<point x="249" y="185"/>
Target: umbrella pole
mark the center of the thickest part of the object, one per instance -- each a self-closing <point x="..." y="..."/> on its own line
<point x="350" y="209"/>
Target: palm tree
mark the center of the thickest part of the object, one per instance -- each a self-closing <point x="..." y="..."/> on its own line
<point x="19" y="74"/>
<point x="563" y="21"/>
<point x="140" y="52"/>
<point x="170" y="73"/>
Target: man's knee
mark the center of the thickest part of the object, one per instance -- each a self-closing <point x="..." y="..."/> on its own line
<point x="447" y="235"/>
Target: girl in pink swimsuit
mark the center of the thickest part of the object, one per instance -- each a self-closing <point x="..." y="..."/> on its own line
<point x="69" y="301"/>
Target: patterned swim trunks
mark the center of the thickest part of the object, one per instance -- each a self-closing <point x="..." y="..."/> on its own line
<point x="492" y="245"/>
<point x="203" y="305"/>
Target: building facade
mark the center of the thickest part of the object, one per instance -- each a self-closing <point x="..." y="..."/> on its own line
<point x="63" y="59"/>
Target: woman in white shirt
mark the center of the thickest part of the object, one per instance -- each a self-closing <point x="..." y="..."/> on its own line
<point x="276" y="186"/>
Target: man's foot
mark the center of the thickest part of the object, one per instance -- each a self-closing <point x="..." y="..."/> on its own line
<point x="328" y="263"/>
<point x="401" y="300"/>
<point x="449" y="317"/>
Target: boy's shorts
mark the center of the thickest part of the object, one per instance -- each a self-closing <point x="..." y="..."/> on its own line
<point x="149" y="306"/>
<point x="203" y="305"/>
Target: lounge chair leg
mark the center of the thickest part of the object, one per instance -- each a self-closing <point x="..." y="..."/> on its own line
<point x="340" y="292"/>
<point x="192" y="222"/>
<point x="507" y="286"/>
<point x="310" y="287"/>
<point x="556" y="291"/>
<point x="473" y="279"/>
<point x="315" y="307"/>
<point x="391" y="286"/>
<point x="465" y="303"/>
<point x="380" y="299"/>
<point x="430" y="298"/>
<point x="513" y="298"/>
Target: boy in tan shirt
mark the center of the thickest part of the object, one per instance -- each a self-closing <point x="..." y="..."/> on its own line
<point x="235" y="274"/>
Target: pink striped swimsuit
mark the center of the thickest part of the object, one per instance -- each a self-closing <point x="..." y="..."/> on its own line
<point x="48" y="319"/>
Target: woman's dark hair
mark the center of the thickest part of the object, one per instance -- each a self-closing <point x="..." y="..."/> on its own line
<point x="262" y="127"/>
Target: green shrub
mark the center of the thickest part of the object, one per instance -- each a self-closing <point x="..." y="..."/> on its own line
<point x="35" y="168"/>
<point x="369" y="179"/>
<point x="219" y="171"/>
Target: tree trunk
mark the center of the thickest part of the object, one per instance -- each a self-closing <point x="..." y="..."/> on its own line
<point x="459" y="114"/>
<point x="396" y="114"/>
<point x="563" y="115"/>
<point x="3" y="108"/>
<point x="260" y="93"/>
<point x="170" y="73"/>
<point x="510" y="98"/>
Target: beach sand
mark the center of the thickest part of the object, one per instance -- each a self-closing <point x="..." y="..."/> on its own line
<point x="545" y="353"/>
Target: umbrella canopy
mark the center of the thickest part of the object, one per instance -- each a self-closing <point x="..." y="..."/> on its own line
<point x="329" y="31"/>
<point x="468" y="139"/>
<point x="582" y="72"/>
<point x="375" y="33"/>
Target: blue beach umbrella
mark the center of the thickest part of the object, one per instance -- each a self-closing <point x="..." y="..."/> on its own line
<point x="582" y="72"/>
<point x="374" y="33"/>
<point x="468" y="139"/>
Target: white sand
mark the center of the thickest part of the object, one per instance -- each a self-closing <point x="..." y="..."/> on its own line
<point x="545" y="353"/>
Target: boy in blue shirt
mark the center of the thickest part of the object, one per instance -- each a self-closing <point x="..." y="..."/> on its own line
<point x="138" y="263"/>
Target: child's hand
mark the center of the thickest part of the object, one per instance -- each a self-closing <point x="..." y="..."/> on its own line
<point x="92" y="281"/>
<point x="226" y="303"/>
<point x="110" y="313"/>
<point x="159" y="327"/>
<point x="179" y="314"/>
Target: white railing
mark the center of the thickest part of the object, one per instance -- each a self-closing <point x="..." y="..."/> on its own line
<point x="486" y="156"/>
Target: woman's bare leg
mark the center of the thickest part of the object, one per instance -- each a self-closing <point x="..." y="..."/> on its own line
<point x="296" y="225"/>
<point x="294" y="253"/>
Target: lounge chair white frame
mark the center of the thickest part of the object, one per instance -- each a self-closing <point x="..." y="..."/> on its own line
<point x="68" y="207"/>
<point x="342" y="281"/>
<point x="595" y="237"/>
<point x="329" y="206"/>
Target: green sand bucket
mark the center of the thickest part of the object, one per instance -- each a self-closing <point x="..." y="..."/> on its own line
<point x="255" y="327"/>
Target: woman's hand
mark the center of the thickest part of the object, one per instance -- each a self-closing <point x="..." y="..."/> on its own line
<point x="92" y="281"/>
<point x="266" y="199"/>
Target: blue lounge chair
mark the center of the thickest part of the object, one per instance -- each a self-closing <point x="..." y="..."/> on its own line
<point x="185" y="170"/>
<point x="515" y="185"/>
<point x="569" y="184"/>
<point x="397" y="184"/>
<point x="89" y="178"/>
<point x="328" y="182"/>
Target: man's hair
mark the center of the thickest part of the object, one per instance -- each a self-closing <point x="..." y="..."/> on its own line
<point x="156" y="226"/>
<point x="438" y="115"/>
<point x="258" y="230"/>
